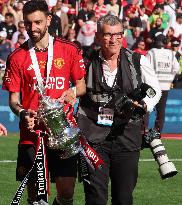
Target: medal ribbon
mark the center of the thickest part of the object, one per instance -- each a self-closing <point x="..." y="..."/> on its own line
<point x="42" y="175"/>
<point x="90" y="154"/>
<point x="36" y="65"/>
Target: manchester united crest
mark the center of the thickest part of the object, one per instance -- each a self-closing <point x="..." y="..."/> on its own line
<point x="59" y="63"/>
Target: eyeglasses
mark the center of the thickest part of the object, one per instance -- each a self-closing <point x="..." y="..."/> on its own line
<point x="107" y="36"/>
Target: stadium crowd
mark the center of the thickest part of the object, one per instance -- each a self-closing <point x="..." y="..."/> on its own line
<point x="76" y="20"/>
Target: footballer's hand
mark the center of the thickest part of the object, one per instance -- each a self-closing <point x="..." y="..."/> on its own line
<point x="28" y="117"/>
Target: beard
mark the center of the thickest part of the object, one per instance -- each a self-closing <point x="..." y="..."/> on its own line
<point x="158" y="26"/>
<point x="37" y="35"/>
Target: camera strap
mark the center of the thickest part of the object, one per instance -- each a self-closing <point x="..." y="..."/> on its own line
<point x="133" y="71"/>
<point x="106" y="114"/>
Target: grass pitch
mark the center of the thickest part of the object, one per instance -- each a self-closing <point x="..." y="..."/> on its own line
<point x="150" y="190"/>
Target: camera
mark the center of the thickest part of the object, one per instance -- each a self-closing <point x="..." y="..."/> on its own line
<point x="124" y="103"/>
<point x="166" y="167"/>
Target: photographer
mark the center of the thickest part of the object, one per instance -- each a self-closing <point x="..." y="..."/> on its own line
<point x="112" y="75"/>
<point x="166" y="67"/>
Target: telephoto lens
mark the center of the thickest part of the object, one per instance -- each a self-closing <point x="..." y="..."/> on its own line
<point x="166" y="167"/>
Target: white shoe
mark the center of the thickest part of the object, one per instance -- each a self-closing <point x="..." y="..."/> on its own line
<point x="35" y="203"/>
<point x="42" y="202"/>
<point x="29" y="202"/>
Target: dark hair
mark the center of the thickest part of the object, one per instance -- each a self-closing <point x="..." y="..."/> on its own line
<point x="140" y="39"/>
<point x="178" y="15"/>
<point x="91" y="14"/>
<point x="21" y="36"/>
<point x="9" y="14"/>
<point x="135" y="45"/>
<point x="20" y="22"/>
<point x="171" y="28"/>
<point x="157" y="6"/>
<point x="160" y="41"/>
<point x="142" y="6"/>
<point x="35" y="5"/>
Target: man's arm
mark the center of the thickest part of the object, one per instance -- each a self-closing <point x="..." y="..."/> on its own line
<point x="14" y="102"/>
<point x="64" y="22"/>
<point x="176" y="66"/>
<point x="11" y="10"/>
<point x="26" y="116"/>
<point x="71" y="94"/>
<point x="81" y="22"/>
<point x="80" y="87"/>
<point x="149" y="77"/>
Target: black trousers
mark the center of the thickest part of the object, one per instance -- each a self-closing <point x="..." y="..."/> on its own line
<point x="160" y="111"/>
<point x="122" y="168"/>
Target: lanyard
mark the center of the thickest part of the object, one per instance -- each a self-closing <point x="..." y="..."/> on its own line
<point x="36" y="65"/>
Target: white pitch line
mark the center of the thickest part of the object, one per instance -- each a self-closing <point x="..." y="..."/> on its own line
<point x="151" y="160"/>
<point x="7" y="161"/>
<point x="141" y="160"/>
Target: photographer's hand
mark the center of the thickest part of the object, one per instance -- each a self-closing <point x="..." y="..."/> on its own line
<point x="142" y="104"/>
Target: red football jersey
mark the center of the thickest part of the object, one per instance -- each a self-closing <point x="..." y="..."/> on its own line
<point x="19" y="76"/>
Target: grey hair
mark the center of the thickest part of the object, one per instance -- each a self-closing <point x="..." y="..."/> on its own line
<point x="108" y="19"/>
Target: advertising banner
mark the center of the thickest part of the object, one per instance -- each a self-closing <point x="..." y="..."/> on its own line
<point x="173" y="118"/>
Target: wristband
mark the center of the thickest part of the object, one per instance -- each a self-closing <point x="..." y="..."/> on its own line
<point x="20" y="111"/>
<point x="74" y="90"/>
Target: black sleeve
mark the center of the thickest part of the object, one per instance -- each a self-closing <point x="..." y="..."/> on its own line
<point x="1" y="26"/>
<point x="136" y="61"/>
<point x="150" y="34"/>
<point x="81" y="15"/>
<point x="59" y="27"/>
<point x="73" y="3"/>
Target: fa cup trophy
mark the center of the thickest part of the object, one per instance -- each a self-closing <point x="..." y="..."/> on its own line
<point x="62" y="135"/>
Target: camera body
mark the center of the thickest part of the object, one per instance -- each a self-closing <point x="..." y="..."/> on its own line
<point x="123" y="104"/>
<point x="166" y="167"/>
